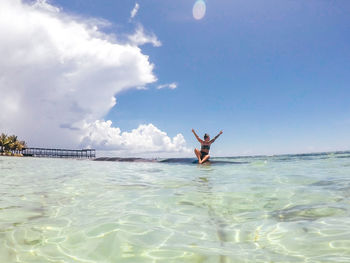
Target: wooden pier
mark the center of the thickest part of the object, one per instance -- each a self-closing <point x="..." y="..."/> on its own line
<point x="59" y="153"/>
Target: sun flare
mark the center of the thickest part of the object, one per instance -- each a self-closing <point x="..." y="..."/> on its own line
<point x="199" y="9"/>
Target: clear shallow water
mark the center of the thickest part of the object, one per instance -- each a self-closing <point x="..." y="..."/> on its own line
<point x="266" y="209"/>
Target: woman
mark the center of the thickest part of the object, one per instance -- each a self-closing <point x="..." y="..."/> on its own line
<point x="203" y="154"/>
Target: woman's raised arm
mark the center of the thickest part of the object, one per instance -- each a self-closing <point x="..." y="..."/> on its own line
<point x="195" y="134"/>
<point x="217" y="136"/>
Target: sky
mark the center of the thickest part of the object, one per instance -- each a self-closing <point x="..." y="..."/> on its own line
<point x="134" y="77"/>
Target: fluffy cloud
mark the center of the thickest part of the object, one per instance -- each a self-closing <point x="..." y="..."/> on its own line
<point x="59" y="74"/>
<point x="101" y="135"/>
<point x="141" y="38"/>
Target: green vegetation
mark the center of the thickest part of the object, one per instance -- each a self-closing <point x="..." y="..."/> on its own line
<point x="10" y="145"/>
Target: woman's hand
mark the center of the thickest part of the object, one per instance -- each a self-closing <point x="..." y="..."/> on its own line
<point x="220" y="132"/>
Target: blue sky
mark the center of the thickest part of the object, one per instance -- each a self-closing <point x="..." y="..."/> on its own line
<point x="273" y="75"/>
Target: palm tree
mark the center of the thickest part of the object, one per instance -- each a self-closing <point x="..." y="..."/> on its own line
<point x="11" y="143"/>
<point x="4" y="141"/>
<point x="19" y="145"/>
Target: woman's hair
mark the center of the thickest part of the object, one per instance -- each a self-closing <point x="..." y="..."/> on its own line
<point x="206" y="136"/>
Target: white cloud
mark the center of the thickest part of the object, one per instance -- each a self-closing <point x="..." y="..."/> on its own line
<point x="134" y="10"/>
<point x="42" y="4"/>
<point x="168" y="86"/>
<point x="141" y="88"/>
<point x="58" y="73"/>
<point x="140" y="38"/>
<point x="146" y="138"/>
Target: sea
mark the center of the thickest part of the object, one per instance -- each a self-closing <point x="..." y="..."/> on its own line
<point x="286" y="208"/>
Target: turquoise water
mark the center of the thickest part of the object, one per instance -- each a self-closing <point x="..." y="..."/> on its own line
<point x="265" y="209"/>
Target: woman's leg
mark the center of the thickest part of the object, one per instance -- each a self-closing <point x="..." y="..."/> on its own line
<point x="198" y="154"/>
<point x="205" y="158"/>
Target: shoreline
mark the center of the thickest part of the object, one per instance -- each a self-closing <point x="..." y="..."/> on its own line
<point x="12" y="154"/>
<point x="177" y="159"/>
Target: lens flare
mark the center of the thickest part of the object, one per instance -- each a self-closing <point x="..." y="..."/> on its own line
<point x="199" y="10"/>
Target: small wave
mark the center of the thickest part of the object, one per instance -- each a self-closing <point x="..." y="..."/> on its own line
<point x="234" y="159"/>
<point x="169" y="160"/>
<point x="122" y="159"/>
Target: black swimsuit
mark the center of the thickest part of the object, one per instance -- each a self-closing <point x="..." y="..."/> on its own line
<point x="204" y="147"/>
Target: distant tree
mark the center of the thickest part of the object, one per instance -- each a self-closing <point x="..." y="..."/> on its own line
<point x="11" y="146"/>
<point x="11" y="143"/>
<point x="4" y="141"/>
<point x="20" y="145"/>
